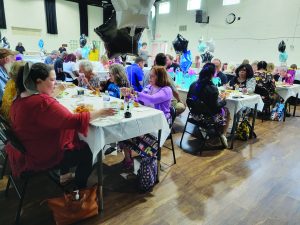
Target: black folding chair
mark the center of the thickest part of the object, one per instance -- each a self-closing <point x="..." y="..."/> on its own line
<point x="173" y="117"/>
<point x="7" y="132"/>
<point x="265" y="94"/>
<point x="205" y="124"/>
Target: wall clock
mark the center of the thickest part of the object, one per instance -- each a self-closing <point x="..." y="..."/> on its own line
<point x="230" y="18"/>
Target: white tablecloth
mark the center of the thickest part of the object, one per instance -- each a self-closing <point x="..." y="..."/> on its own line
<point x="236" y="104"/>
<point x="288" y="91"/>
<point x="109" y="130"/>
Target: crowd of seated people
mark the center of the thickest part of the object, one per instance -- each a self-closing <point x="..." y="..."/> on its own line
<point x="30" y="90"/>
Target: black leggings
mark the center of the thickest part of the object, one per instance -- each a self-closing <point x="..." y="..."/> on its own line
<point x="82" y="159"/>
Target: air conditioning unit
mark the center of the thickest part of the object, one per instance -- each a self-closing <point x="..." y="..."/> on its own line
<point x="201" y="16"/>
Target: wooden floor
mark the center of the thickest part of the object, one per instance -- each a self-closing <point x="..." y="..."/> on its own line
<point x="256" y="183"/>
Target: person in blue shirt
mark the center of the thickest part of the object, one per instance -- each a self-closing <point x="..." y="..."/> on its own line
<point x="6" y="60"/>
<point x="135" y="74"/>
<point x="50" y="59"/>
<point x="117" y="80"/>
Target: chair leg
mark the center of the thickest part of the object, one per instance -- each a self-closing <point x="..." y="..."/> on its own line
<point x="180" y="144"/>
<point x="21" y="201"/>
<point x="8" y="185"/>
<point x="173" y="149"/>
<point x="4" y="167"/>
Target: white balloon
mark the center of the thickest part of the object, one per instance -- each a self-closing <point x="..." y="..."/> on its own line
<point x="132" y="13"/>
<point x="211" y="45"/>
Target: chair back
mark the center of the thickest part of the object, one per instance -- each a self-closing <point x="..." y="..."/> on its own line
<point x="198" y="107"/>
<point x="9" y="136"/>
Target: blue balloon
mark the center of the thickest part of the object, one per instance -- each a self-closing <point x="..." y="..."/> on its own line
<point x="283" y="56"/>
<point x="186" y="61"/>
<point x="202" y="47"/>
<point x="139" y="45"/>
<point x="216" y="81"/>
<point x="85" y="51"/>
<point x="41" y="44"/>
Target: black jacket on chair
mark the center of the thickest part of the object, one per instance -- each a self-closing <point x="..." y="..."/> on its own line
<point x="205" y="99"/>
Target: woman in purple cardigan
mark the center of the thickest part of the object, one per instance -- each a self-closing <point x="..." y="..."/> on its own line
<point x="158" y="95"/>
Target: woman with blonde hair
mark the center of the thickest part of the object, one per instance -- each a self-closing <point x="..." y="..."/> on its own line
<point x="270" y="68"/>
<point x="104" y="61"/>
<point x="10" y="91"/>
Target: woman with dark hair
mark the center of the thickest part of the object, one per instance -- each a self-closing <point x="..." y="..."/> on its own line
<point x="244" y="79"/>
<point x="206" y="92"/>
<point x="47" y="130"/>
<point x="69" y="65"/>
<point x="265" y="83"/>
<point x="158" y="95"/>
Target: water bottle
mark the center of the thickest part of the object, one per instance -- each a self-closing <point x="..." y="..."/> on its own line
<point x="106" y="99"/>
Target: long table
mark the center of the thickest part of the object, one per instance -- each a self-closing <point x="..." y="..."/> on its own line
<point x="116" y="128"/>
<point x="287" y="91"/>
<point x="234" y="105"/>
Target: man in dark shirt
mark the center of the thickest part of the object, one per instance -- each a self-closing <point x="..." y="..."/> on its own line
<point x="171" y="65"/>
<point x="58" y="67"/>
<point x="135" y="74"/>
<point x="20" y="48"/>
<point x="221" y="75"/>
<point x="62" y="49"/>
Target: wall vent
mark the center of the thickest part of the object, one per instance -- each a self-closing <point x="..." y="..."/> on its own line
<point x="182" y="27"/>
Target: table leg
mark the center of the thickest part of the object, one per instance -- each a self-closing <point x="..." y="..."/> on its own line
<point x="233" y="129"/>
<point x="285" y="107"/>
<point x="253" y="121"/>
<point x="295" y="104"/>
<point x="100" y="182"/>
<point x="158" y="155"/>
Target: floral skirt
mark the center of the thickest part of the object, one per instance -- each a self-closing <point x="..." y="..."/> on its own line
<point x="220" y="118"/>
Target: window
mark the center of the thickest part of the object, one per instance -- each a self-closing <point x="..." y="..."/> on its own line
<point x="153" y="12"/>
<point x="164" y="8"/>
<point x="231" y="2"/>
<point x="193" y="4"/>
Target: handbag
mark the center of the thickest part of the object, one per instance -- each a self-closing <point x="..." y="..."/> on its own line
<point x="145" y="145"/>
<point x="74" y="206"/>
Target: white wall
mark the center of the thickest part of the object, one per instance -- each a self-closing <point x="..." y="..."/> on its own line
<point x="31" y="14"/>
<point x="270" y="21"/>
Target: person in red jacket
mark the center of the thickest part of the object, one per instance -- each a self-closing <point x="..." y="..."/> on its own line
<point x="47" y="130"/>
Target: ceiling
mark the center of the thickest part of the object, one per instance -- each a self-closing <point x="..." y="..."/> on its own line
<point x="99" y="3"/>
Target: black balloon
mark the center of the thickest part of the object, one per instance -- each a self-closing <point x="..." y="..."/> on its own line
<point x="206" y="57"/>
<point x="82" y="40"/>
<point x="281" y="46"/>
<point x="118" y="41"/>
<point x="180" y="44"/>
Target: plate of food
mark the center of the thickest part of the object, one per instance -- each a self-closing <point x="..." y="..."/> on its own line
<point x="69" y="85"/>
<point x="83" y="108"/>
<point x="62" y="94"/>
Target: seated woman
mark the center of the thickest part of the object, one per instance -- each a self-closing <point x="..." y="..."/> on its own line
<point x="69" y="65"/>
<point x="47" y="130"/>
<point x="118" y="79"/>
<point x="244" y="79"/>
<point x="87" y="79"/>
<point x="206" y="94"/>
<point x="158" y="95"/>
<point x="10" y="91"/>
<point x="104" y="61"/>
